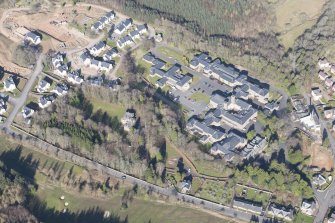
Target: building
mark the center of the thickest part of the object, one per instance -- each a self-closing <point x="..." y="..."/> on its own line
<point x="311" y="121"/>
<point x="281" y="212"/>
<point x="308" y="207"/>
<point x="254" y="147"/>
<point x="45" y="101"/>
<point x="103" y="21"/>
<point x="142" y="29"/>
<point x="329" y="113"/>
<point x="247" y="205"/>
<point x="97" y="26"/>
<point x="105" y="66"/>
<point x="316" y="94"/>
<point x="27" y="112"/>
<point x="331" y="219"/>
<point x="123" y="26"/>
<point x="3" y="106"/>
<point x="43" y="86"/>
<point x="319" y="180"/>
<point x="124" y="41"/>
<point x="109" y="55"/>
<point x="61" y="70"/>
<point x="95" y="64"/>
<point x="171" y="77"/>
<point x="329" y="82"/>
<point x="95" y="81"/>
<point x="97" y="48"/>
<point x="61" y="89"/>
<point x="204" y="131"/>
<point x="323" y="63"/>
<point x="9" y="84"/>
<point x="323" y="75"/>
<point x="57" y="60"/>
<point x="229" y="147"/>
<point x="185" y="186"/>
<point x="74" y="77"/>
<point x="134" y="35"/>
<point x="32" y="38"/>
<point x="128" y="120"/>
<point x="86" y="58"/>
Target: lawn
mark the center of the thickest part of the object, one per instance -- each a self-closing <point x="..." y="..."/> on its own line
<point x="172" y="54"/>
<point x="253" y="194"/>
<point x="112" y="109"/>
<point x="140" y="209"/>
<point x="210" y="169"/>
<point x="200" y="97"/>
<point x="301" y="218"/>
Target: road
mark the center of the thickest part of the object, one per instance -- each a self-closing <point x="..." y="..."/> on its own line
<point x="61" y="154"/>
<point x="20" y="101"/>
<point x="325" y="198"/>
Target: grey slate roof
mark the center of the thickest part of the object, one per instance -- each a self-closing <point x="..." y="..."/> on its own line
<point x="247" y="205"/>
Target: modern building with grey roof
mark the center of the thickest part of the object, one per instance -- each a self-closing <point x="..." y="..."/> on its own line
<point x="247" y="205"/>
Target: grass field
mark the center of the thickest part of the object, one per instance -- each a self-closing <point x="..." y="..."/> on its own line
<point x="200" y="97"/>
<point x="301" y="218"/>
<point x="294" y="17"/>
<point x="171" y="54"/>
<point x="112" y="109"/>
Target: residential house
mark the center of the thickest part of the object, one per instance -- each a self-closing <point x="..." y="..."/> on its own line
<point x="218" y="99"/>
<point x="128" y="120"/>
<point x="74" y="77"/>
<point x="62" y="70"/>
<point x="57" y="60"/>
<point x="329" y="82"/>
<point x="109" y="55"/>
<point x="45" y="101"/>
<point x="229" y="147"/>
<point x="247" y="205"/>
<point x="316" y="94"/>
<point x="33" y="38"/>
<point x="95" y="81"/>
<point x="200" y="62"/>
<point x="272" y="106"/>
<point x="331" y="219"/>
<point x="9" y="84"/>
<point x="95" y="64"/>
<point x="61" y="89"/>
<point x="206" y="132"/>
<point x="110" y="16"/>
<point x="27" y="112"/>
<point x="105" y="66"/>
<point x="97" y="26"/>
<point x="185" y="186"/>
<point x="43" y="86"/>
<point x="319" y="180"/>
<point x="142" y="29"/>
<point x="123" y="26"/>
<point x="3" y="106"/>
<point x="254" y="147"/>
<point x="332" y="68"/>
<point x="97" y="48"/>
<point x="124" y="41"/>
<point x="311" y="121"/>
<point x="281" y="212"/>
<point x="86" y="58"/>
<point x="323" y="63"/>
<point x="308" y="207"/>
<point x="323" y="75"/>
<point x="329" y="113"/>
<point x="256" y="92"/>
<point x="171" y="77"/>
<point x="114" y="85"/>
<point x="134" y="35"/>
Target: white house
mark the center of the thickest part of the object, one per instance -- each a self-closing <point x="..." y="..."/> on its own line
<point x="134" y="35"/>
<point x="323" y="64"/>
<point x="124" y="41"/>
<point x="85" y="58"/>
<point x="97" y="26"/>
<point x="9" y="84"/>
<point x="97" y="48"/>
<point x="61" y="89"/>
<point x="75" y="78"/>
<point x="27" y="112"/>
<point x="108" y="56"/>
<point x="95" y="64"/>
<point x="43" y="86"/>
<point x="322" y="75"/>
<point x="142" y="29"/>
<point x="105" y="66"/>
<point x="308" y="207"/>
<point x="57" y="60"/>
<point x="61" y="71"/>
<point x="33" y="38"/>
<point x="45" y="101"/>
<point x="316" y="94"/>
<point x="3" y="106"/>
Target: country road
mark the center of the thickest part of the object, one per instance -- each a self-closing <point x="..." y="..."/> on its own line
<point x="64" y="155"/>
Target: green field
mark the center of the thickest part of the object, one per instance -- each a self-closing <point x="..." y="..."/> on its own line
<point x="112" y="109"/>
<point x="216" y="191"/>
<point x="301" y="218"/>
<point x="166" y="51"/>
<point x="200" y="97"/>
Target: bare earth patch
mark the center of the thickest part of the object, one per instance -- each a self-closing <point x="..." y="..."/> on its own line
<point x="320" y="157"/>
